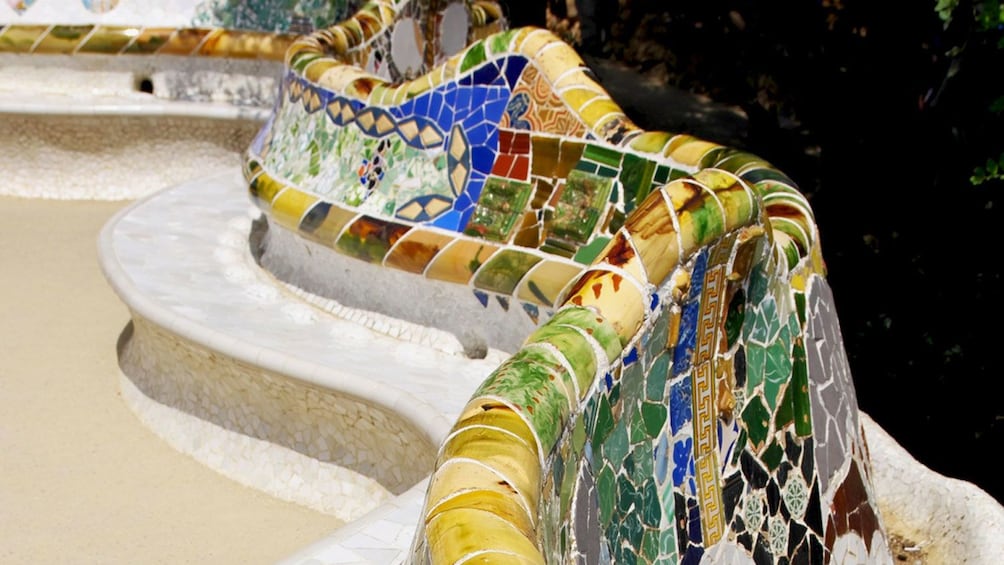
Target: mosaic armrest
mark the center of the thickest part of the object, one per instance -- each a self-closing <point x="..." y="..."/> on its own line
<point x="690" y="393"/>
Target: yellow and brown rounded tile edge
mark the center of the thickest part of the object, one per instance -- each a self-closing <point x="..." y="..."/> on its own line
<point x="100" y="39"/>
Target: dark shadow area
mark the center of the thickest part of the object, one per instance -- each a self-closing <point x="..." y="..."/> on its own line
<point x="880" y="112"/>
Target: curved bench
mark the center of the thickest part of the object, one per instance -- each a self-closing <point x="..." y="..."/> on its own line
<point x="689" y="394"/>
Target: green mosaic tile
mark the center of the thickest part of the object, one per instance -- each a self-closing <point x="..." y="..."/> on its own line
<point x="500" y="207"/>
<point x="499" y="43"/>
<point x="615" y="448"/>
<point x="772" y="455"/>
<point x="598" y="328"/>
<point x="651" y="507"/>
<point x="757" y="289"/>
<point x="637" y="427"/>
<point x="650" y="545"/>
<point x="475" y="56"/>
<point x="643" y="462"/>
<point x="667" y="543"/>
<point x="735" y="317"/>
<point x="627" y="495"/>
<point x="655" y="384"/>
<point x="662" y="174"/>
<point x="616" y="221"/>
<point x="604" y="425"/>
<point x="632" y="530"/>
<point x="654" y="416"/>
<point x="801" y="403"/>
<point x="800" y="306"/>
<point x="603" y="155"/>
<point x="579" y="436"/>
<point x="778" y="535"/>
<point x="757" y="421"/>
<point x="567" y="484"/>
<point x="792" y="254"/>
<point x="777" y="371"/>
<point x="633" y="385"/>
<point x="556" y="246"/>
<point x="580" y="206"/>
<point x="303" y="59"/>
<point x="740" y="446"/>
<point x="527" y="384"/>
<point x="636" y="178"/>
<point x="610" y="174"/>
<point x="713" y="156"/>
<point x="588" y="253"/>
<point x="677" y="174"/>
<point x="504" y="271"/>
<point x="785" y="414"/>
<point x="587" y="167"/>
<point x="657" y="337"/>
<point x="574" y="346"/>
<point x="606" y="489"/>
<point x="629" y="469"/>
<point x="756" y="361"/>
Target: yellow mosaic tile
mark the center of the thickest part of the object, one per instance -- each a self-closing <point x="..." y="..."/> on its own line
<point x="735" y="196"/>
<point x="149" y="40"/>
<point x="655" y="237"/>
<point x="266" y="187"/>
<point x="332" y="226"/>
<point x="108" y="39"/>
<point x="183" y="42"/>
<point x="456" y="534"/>
<point x="458" y="262"/>
<point x="492" y="498"/>
<point x="289" y="206"/>
<point x="414" y="251"/>
<point x="460" y="474"/>
<point x="621" y="253"/>
<point x="530" y="41"/>
<point x="497" y="416"/>
<point x="340" y="77"/>
<point x="544" y="283"/>
<point x="503" y="453"/>
<point x="689" y="152"/>
<point x="315" y="69"/>
<point x="577" y="98"/>
<point x="600" y="112"/>
<point x="651" y="141"/>
<point x="21" y="38"/>
<point x="62" y="39"/>
<point x="576" y="78"/>
<point x="614" y="297"/>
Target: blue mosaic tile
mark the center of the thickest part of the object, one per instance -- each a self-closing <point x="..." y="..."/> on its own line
<point x="684" y="352"/>
<point x="681" y="411"/>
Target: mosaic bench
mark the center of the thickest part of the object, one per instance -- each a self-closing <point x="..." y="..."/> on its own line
<point x="678" y="390"/>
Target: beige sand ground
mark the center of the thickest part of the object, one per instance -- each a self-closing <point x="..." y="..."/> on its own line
<point x="81" y="480"/>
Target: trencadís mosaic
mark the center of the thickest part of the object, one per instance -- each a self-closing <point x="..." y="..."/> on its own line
<point x="685" y="398"/>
